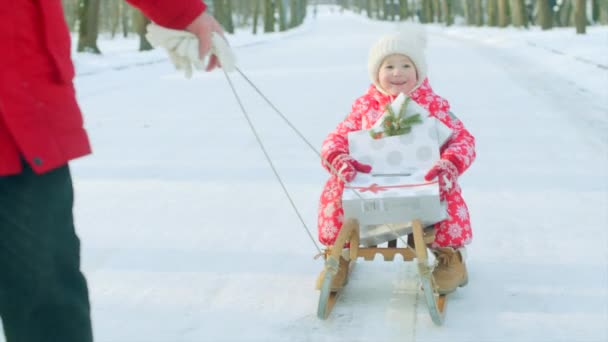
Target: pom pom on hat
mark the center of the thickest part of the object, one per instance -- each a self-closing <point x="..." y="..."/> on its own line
<point x="410" y="40"/>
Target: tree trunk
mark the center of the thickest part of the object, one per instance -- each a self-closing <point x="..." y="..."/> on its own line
<point x="89" y="17"/>
<point x="604" y="12"/>
<point x="140" y="21"/>
<point x="70" y="9"/>
<point x="268" y="16"/>
<point x="229" y="24"/>
<point x="448" y="15"/>
<point x="492" y="12"/>
<point x="222" y="11"/>
<point x="303" y="7"/>
<point x="545" y="14"/>
<point x="384" y="10"/>
<point x="563" y="13"/>
<point x="114" y="17"/>
<point x="503" y="15"/>
<point x="467" y="6"/>
<point x="478" y="12"/>
<point x="436" y="11"/>
<point x="595" y="11"/>
<point x="378" y="10"/>
<point x="580" y="17"/>
<point x="403" y="10"/>
<point x="124" y="14"/>
<point x="517" y="13"/>
<point x="293" y="16"/>
<point x="426" y="12"/>
<point x="282" y="16"/>
<point x="256" y="14"/>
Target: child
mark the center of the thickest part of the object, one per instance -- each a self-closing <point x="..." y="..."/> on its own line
<point x="397" y="65"/>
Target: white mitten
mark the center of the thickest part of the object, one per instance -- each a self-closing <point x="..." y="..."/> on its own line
<point x="221" y="49"/>
<point x="182" y="47"/>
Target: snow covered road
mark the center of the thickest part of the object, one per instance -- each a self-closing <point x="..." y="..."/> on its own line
<point x="187" y="236"/>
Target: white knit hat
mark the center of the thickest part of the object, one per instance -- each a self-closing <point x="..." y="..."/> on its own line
<point x="409" y="41"/>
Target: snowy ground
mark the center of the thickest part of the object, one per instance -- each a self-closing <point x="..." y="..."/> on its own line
<point x="187" y="236"/>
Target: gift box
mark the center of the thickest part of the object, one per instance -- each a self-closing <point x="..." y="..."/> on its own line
<point x="395" y="192"/>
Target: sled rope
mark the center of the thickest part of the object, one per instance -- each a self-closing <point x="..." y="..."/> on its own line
<point x="302" y="137"/>
<point x="269" y="160"/>
<point x="267" y="156"/>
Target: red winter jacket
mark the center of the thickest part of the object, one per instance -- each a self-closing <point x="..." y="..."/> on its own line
<point x="459" y="149"/>
<point x="40" y="120"/>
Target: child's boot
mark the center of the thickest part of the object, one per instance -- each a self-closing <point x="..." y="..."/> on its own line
<point x="450" y="270"/>
<point x="341" y="276"/>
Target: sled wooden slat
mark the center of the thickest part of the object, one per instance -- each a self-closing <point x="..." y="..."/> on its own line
<point x="369" y="253"/>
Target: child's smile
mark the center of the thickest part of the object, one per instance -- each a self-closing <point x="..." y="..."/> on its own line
<point x="397" y="75"/>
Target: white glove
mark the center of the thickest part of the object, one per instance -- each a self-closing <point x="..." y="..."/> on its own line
<point x="182" y="47"/>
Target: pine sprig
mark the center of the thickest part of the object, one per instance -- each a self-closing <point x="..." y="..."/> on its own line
<point x="396" y="124"/>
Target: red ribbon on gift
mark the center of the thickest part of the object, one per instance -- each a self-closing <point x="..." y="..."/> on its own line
<point x="375" y="188"/>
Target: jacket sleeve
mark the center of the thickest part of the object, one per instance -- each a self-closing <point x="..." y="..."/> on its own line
<point x="460" y="148"/>
<point x="337" y="142"/>
<point x="175" y="14"/>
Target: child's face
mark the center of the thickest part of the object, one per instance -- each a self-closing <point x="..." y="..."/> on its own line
<point x="397" y="74"/>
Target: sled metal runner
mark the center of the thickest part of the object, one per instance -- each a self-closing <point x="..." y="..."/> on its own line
<point x="349" y="233"/>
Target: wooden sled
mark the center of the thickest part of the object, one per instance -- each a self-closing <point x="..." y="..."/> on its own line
<point x="350" y="234"/>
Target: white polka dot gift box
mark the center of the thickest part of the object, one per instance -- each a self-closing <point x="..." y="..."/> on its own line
<point x="395" y="191"/>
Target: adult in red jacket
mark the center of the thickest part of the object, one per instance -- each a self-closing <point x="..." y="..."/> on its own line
<point x="43" y="294"/>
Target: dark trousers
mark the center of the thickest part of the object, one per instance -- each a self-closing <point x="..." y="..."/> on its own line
<point x="43" y="294"/>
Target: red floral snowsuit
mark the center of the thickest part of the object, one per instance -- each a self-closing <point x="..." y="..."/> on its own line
<point x="460" y="150"/>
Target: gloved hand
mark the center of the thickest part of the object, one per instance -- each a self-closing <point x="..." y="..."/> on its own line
<point x="187" y="50"/>
<point x="447" y="175"/>
<point x="347" y="167"/>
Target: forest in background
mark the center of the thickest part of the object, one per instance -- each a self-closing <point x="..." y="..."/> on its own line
<point x="89" y="18"/>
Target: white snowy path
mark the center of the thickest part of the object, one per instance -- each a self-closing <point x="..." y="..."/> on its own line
<point x="187" y="236"/>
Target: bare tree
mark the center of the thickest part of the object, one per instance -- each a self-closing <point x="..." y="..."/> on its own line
<point x="426" y="13"/>
<point x="580" y="19"/>
<point x="564" y="13"/>
<point x="503" y="16"/>
<point x="228" y="22"/>
<point x="518" y="13"/>
<point x="604" y="12"/>
<point x="448" y="15"/>
<point x="492" y="12"/>
<point x="404" y="10"/>
<point x="125" y="11"/>
<point x="296" y="16"/>
<point x="256" y="15"/>
<point x="545" y="14"/>
<point x="595" y="10"/>
<point x="469" y="12"/>
<point x="140" y="21"/>
<point x="71" y="12"/>
<point x="282" y="15"/>
<point x="384" y="9"/>
<point x="436" y="11"/>
<point x="222" y="11"/>
<point x="478" y="9"/>
<point x="268" y="16"/>
<point x="88" y="30"/>
<point x="114" y="16"/>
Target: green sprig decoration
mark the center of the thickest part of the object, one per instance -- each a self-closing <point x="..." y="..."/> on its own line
<point x="396" y="124"/>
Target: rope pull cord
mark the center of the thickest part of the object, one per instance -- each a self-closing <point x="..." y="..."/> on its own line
<point x="269" y="160"/>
